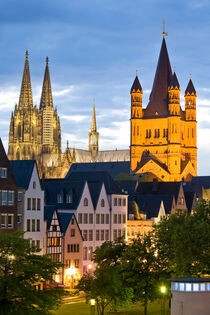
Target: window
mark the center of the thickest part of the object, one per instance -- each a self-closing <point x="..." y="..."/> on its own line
<point x="102" y="235"/>
<point x="38" y="203"/>
<point x="19" y="195"/>
<point x="124" y="218"/>
<point x="85" y="202"/>
<point x="90" y="253"/>
<point x="38" y="243"/>
<point x="72" y="221"/>
<point x="202" y="287"/>
<point x="33" y="225"/>
<point x="3" y="220"/>
<point x="123" y="233"/>
<point x="102" y="203"/>
<point x="76" y="263"/>
<point x="28" y="225"/>
<point x="68" y="263"/>
<point x="195" y="287"/>
<point x="54" y="228"/>
<point x="90" y="235"/>
<point x="33" y="203"/>
<point x="102" y="218"/>
<point x="85" y="235"/>
<point x="119" y="233"/>
<point x="97" y="235"/>
<point x="85" y="218"/>
<point x="60" y="198"/>
<point x="33" y="243"/>
<point x="4" y="173"/>
<point x="80" y="218"/>
<point x="72" y="232"/>
<point x="107" y="235"/>
<point x="85" y="253"/>
<point x="29" y="203"/>
<point x="119" y="218"/>
<point x="107" y="218"/>
<point x="54" y="241"/>
<point x="68" y="248"/>
<point x="55" y="257"/>
<point x="19" y="218"/>
<point x="115" y="218"/>
<point x="90" y="218"/>
<point x="115" y="234"/>
<point x="3" y="197"/>
<point x="34" y="185"/>
<point x="69" y="198"/>
<point x="38" y="225"/>
<point x="10" y="198"/>
<point x="97" y="218"/>
<point x="115" y="201"/>
<point x="124" y="201"/>
<point x="119" y="201"/>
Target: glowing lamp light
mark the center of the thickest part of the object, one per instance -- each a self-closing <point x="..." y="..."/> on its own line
<point x="70" y="271"/>
<point x="89" y="266"/>
<point x="163" y="290"/>
<point x="92" y="302"/>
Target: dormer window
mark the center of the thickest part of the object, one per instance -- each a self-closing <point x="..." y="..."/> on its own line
<point x="60" y="197"/>
<point x="4" y="173"/>
<point x="85" y="202"/>
<point x="69" y="197"/>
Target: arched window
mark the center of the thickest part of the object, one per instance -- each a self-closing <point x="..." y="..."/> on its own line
<point x="85" y="202"/>
<point x="102" y="203"/>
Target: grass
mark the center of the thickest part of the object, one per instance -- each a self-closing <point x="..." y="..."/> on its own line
<point x="136" y="309"/>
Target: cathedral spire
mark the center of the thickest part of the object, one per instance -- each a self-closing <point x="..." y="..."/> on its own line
<point x="25" y="100"/>
<point x="93" y="122"/>
<point x="46" y="97"/>
<point x="158" y="103"/>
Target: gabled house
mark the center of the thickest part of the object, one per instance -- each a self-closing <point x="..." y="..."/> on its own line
<point x="8" y="194"/>
<point x="30" y="201"/>
<point x="98" y="203"/>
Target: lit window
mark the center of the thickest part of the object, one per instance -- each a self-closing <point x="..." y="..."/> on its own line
<point x="3" y="173"/>
<point x="76" y="263"/>
<point x="195" y="287"/>
<point x="203" y="287"/>
<point x="181" y="287"/>
<point x="90" y="253"/>
<point x="188" y="287"/>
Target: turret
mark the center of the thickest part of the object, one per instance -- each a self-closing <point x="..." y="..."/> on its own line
<point x="190" y="101"/>
<point x="174" y="96"/>
<point x="136" y="98"/>
<point x="93" y="135"/>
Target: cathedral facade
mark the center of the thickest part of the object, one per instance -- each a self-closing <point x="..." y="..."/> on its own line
<point x="163" y="136"/>
<point x="35" y="133"/>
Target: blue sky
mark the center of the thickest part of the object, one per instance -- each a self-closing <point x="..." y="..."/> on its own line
<point x="94" y="48"/>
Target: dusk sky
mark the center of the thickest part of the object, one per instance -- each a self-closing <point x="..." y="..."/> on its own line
<point x="94" y="49"/>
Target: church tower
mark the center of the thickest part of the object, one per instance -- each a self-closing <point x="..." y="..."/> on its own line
<point x="163" y="136"/>
<point x="23" y="132"/>
<point x="93" y="135"/>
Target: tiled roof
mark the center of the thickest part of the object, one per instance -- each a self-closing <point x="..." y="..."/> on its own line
<point x="22" y="170"/>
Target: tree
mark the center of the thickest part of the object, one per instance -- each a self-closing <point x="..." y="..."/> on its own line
<point x="20" y="269"/>
<point x="106" y="285"/>
<point x="183" y="242"/>
<point x="143" y="270"/>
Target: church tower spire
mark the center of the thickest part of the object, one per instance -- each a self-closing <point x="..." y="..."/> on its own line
<point x="25" y="100"/>
<point x="46" y="97"/>
<point x="93" y="135"/>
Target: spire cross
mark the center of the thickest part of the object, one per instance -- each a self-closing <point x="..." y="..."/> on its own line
<point x="164" y="31"/>
<point x="137" y="73"/>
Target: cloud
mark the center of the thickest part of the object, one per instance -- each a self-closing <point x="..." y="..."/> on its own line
<point x="63" y="92"/>
<point x="76" y="118"/>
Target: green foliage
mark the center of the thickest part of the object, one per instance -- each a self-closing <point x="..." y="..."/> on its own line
<point x="143" y="270"/>
<point x="183" y="242"/>
<point x="20" y="269"/>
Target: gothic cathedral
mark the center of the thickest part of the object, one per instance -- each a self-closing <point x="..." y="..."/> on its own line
<point x="163" y="136"/>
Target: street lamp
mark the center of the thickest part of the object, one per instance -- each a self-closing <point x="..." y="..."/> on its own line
<point x="163" y="291"/>
<point x="92" y="306"/>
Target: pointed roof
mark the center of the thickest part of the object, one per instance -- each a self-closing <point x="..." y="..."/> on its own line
<point x="25" y="99"/>
<point x="93" y="122"/>
<point x="174" y="82"/>
<point x="46" y="97"/>
<point x="190" y="88"/>
<point x="22" y="171"/>
<point x="158" y="104"/>
<point x="136" y="85"/>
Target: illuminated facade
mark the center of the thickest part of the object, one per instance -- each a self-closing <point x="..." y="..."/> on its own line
<point x="163" y="136"/>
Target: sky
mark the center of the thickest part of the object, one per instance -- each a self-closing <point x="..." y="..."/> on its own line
<point x="94" y="49"/>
